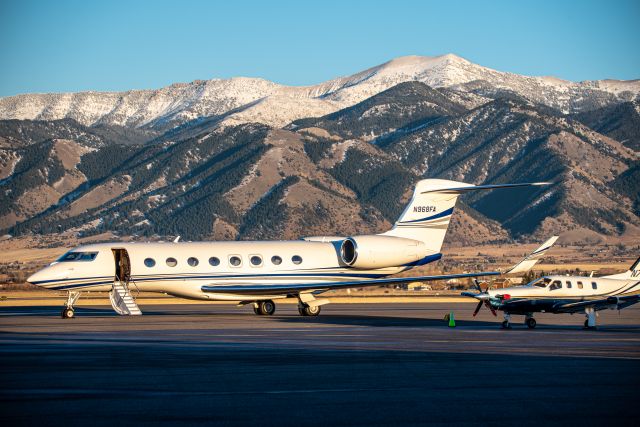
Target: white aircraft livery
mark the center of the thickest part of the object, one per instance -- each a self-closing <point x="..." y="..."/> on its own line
<point x="260" y="272"/>
<point x="563" y="294"/>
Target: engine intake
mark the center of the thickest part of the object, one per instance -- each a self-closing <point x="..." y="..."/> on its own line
<point x="369" y="252"/>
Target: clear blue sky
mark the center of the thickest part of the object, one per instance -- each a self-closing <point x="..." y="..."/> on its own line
<point x="60" y="45"/>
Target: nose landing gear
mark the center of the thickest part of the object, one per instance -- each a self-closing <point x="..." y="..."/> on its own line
<point x="506" y="323"/>
<point x="68" y="312"/>
<point x="530" y="321"/>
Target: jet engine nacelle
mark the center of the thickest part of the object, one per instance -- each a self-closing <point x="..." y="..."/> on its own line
<point x="368" y="252"/>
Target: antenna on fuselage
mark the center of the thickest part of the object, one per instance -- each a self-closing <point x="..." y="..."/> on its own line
<point x="176" y="239"/>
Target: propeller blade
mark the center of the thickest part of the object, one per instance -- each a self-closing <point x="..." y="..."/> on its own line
<point x="477" y="283"/>
<point x="493" y="311"/>
<point x="477" y="308"/>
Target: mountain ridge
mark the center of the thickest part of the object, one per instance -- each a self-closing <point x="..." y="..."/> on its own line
<point x="231" y="164"/>
<point x="178" y="103"/>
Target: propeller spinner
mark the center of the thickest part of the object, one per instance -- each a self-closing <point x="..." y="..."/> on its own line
<point x="483" y="297"/>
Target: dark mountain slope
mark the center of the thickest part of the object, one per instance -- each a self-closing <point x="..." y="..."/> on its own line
<point x="620" y="122"/>
<point x="407" y="104"/>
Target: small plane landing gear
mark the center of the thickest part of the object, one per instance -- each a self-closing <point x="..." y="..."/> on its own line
<point x="264" y="308"/>
<point x="590" y="323"/>
<point x="506" y="324"/>
<point x="68" y="312"/>
<point x="307" y="310"/>
<point x="530" y="321"/>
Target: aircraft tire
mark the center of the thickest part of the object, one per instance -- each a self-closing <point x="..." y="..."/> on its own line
<point x="256" y="310"/>
<point x="506" y="325"/>
<point x="301" y="310"/>
<point x="531" y="323"/>
<point x="312" y="311"/>
<point x="267" y="308"/>
<point x="67" y="313"/>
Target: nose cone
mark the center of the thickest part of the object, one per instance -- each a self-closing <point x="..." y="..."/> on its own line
<point x="35" y="278"/>
<point x="41" y="276"/>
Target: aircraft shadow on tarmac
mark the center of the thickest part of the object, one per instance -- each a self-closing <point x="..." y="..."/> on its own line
<point x="389" y="321"/>
<point x="323" y="319"/>
<point x="376" y="321"/>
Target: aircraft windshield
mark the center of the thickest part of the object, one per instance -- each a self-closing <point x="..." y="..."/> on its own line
<point x="78" y="256"/>
<point x="542" y="282"/>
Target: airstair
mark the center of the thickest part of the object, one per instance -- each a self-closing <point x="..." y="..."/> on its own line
<point x="122" y="301"/>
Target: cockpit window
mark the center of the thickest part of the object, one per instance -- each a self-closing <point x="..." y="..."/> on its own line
<point x="78" y="256"/>
<point x="542" y="282"/>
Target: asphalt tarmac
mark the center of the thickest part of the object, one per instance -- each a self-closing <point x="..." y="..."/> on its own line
<point x="355" y="364"/>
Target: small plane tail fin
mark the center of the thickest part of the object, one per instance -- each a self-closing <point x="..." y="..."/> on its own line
<point x="532" y="259"/>
<point x="632" y="273"/>
<point x="426" y="217"/>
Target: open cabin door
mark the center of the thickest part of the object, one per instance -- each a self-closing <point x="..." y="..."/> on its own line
<point x="121" y="299"/>
<point x="123" y="265"/>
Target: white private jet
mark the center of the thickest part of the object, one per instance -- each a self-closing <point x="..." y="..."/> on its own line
<point x="258" y="273"/>
<point x="563" y="294"/>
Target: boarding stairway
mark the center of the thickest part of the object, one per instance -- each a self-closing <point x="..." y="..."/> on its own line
<point x="122" y="301"/>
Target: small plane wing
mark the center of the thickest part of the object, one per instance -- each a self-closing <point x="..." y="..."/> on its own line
<point x="599" y="304"/>
<point x="532" y="259"/>
<point x="296" y="288"/>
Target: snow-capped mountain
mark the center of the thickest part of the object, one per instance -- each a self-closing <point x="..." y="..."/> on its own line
<point x="247" y="158"/>
<point x="243" y="100"/>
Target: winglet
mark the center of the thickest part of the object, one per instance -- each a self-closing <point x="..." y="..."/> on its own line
<point x="532" y="259"/>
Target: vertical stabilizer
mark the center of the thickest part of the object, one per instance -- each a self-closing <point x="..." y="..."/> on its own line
<point x="632" y="273"/>
<point x="426" y="217"/>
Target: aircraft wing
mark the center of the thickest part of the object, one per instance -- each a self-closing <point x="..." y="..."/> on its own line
<point x="296" y="288"/>
<point x="599" y="304"/>
<point x="530" y="260"/>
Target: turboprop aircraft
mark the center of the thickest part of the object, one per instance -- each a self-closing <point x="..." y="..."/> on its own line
<point x="260" y="272"/>
<point x="562" y="294"/>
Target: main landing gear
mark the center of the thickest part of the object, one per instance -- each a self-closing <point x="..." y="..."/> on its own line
<point x="590" y="323"/>
<point x="264" y="308"/>
<point x="68" y="312"/>
<point x="307" y="310"/>
<point x="268" y="307"/>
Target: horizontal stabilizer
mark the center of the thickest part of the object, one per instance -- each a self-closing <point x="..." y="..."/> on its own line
<point x="471" y="187"/>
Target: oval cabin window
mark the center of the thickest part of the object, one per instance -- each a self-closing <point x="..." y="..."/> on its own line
<point x="172" y="262"/>
<point x="256" y="260"/>
<point x="214" y="261"/>
<point x="235" y="261"/>
<point x="149" y="262"/>
<point x="193" y="261"/>
<point x="296" y="259"/>
<point x="276" y="260"/>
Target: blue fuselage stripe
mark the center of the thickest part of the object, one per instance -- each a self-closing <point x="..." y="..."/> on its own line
<point x="436" y="216"/>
